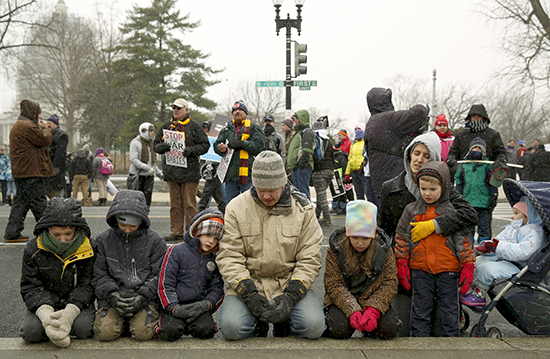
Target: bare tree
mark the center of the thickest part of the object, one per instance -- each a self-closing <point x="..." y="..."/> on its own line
<point x="408" y="91"/>
<point x="54" y="75"/>
<point x="16" y="18"/>
<point x="454" y="101"/>
<point x="526" y="38"/>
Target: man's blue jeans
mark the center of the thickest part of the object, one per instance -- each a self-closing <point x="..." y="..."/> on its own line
<point x="300" y="179"/>
<point x="307" y="319"/>
<point x="234" y="188"/>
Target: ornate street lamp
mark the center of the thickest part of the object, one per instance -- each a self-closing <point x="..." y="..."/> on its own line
<point x="289" y="23"/>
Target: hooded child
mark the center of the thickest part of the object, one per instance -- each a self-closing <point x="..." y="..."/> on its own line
<point x="129" y="256"/>
<point x="56" y="278"/>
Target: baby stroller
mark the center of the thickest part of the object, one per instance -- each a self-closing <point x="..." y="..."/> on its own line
<point x="524" y="299"/>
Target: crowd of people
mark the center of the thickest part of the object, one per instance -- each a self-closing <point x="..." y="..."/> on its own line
<point x="408" y="252"/>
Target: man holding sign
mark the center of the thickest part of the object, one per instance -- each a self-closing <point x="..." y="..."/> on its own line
<point x="181" y="140"/>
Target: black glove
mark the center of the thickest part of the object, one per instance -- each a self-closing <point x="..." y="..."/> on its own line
<point x="493" y="202"/>
<point x="279" y="309"/>
<point x="163" y="147"/>
<point x="194" y="310"/>
<point x="303" y="162"/>
<point x="125" y="302"/>
<point x="135" y="303"/>
<point x="182" y="311"/>
<point x="186" y="152"/>
<point x="451" y="162"/>
<point x="256" y="303"/>
<point x="235" y="144"/>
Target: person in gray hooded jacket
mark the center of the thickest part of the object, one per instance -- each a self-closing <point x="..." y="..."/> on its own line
<point x="129" y="256"/>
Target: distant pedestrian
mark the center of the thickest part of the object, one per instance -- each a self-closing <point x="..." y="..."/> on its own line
<point x="80" y="171"/>
<point x="29" y="140"/>
<point x="300" y="152"/>
<point x="512" y="157"/>
<point x="57" y="152"/>
<point x="213" y="188"/>
<point x="344" y="143"/>
<point x="101" y="176"/>
<point x="273" y="141"/>
<point x="539" y="166"/>
<point x="68" y="178"/>
<point x="56" y="278"/>
<point x="441" y="128"/>
<point x="182" y="181"/>
<point x="5" y="174"/>
<point x="288" y="130"/>
<point x="247" y="140"/>
<point x="356" y="162"/>
<point x="323" y="171"/>
<point x="143" y="161"/>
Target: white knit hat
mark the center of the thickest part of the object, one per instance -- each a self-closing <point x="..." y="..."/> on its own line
<point x="268" y="171"/>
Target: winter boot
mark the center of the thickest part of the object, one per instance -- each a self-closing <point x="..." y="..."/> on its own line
<point x="102" y="201"/>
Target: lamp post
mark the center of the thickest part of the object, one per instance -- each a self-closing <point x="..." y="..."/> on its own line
<point x="288" y="23"/>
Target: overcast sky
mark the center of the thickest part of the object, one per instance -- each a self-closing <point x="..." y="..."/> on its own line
<point x="352" y="45"/>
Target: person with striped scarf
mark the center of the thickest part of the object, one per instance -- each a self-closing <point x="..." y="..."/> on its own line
<point x="242" y="140"/>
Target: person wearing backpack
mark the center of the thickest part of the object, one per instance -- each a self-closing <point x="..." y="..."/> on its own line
<point x="323" y="171"/>
<point x="273" y="141"/>
<point x="300" y="152"/>
<point x="354" y="170"/>
<point x="103" y="169"/>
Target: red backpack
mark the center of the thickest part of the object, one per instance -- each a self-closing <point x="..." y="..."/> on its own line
<point x="106" y="168"/>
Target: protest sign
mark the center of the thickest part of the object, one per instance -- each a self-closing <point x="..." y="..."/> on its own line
<point x="175" y="156"/>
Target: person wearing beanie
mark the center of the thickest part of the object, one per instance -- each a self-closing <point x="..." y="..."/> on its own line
<point x="539" y="166"/>
<point x="190" y="284"/>
<point x="143" y="162"/>
<point x="441" y="129"/>
<point x="270" y="255"/>
<point x="387" y="134"/>
<point x="344" y="143"/>
<point x="238" y="143"/>
<point x="323" y="172"/>
<point x="288" y="130"/>
<point x="472" y="181"/>
<point x="183" y="181"/>
<point x="504" y="255"/>
<point x="512" y="157"/>
<point x="300" y="152"/>
<point x="57" y="152"/>
<point x="354" y="170"/>
<point x="31" y="166"/>
<point x="436" y="266"/>
<point x="360" y="277"/>
<point x="101" y="179"/>
<point x="56" y="277"/>
<point x="273" y="140"/>
<point x="400" y="191"/>
<point x="129" y="258"/>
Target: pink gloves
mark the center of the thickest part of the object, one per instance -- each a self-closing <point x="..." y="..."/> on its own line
<point x="366" y="322"/>
<point x="466" y="277"/>
<point x="404" y="273"/>
<point x="369" y="322"/>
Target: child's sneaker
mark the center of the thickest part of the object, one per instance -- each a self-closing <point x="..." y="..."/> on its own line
<point x="472" y="300"/>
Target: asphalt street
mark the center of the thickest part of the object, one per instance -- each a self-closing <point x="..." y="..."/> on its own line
<point x="12" y="307"/>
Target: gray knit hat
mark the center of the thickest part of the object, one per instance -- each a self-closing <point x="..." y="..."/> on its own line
<point x="268" y="171"/>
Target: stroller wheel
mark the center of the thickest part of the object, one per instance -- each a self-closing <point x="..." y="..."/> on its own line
<point x="473" y="332"/>
<point x="464" y="322"/>
<point x="493" y="333"/>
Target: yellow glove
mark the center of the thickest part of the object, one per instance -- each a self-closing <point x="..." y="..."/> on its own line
<point x="421" y="230"/>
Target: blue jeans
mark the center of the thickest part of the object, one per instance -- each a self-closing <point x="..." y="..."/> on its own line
<point x="234" y="188"/>
<point x="488" y="269"/>
<point x="300" y="179"/>
<point x="307" y="319"/>
<point x="359" y="183"/>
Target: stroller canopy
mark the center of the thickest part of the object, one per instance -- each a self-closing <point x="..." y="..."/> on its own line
<point x="537" y="192"/>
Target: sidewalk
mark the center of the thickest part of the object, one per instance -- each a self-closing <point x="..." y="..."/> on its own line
<point x="279" y="348"/>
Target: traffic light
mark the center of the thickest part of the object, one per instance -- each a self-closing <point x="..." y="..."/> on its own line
<point x="300" y="58"/>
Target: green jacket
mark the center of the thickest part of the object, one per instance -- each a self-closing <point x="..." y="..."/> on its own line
<point x="300" y="151"/>
<point x="472" y="181"/>
<point x="253" y="145"/>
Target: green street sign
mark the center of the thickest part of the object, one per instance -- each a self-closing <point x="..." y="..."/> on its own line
<point x="304" y="88"/>
<point x="304" y="83"/>
<point x="270" y="84"/>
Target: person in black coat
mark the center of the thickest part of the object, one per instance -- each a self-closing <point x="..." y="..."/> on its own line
<point x="387" y="133"/>
<point x="182" y="181"/>
<point x="539" y="166"/>
<point x="129" y="255"/>
<point x="57" y="152"/>
<point x="323" y="171"/>
<point x="477" y="125"/>
<point x="56" y="278"/>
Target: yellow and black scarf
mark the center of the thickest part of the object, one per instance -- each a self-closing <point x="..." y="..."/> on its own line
<point x="244" y="133"/>
<point x="179" y="126"/>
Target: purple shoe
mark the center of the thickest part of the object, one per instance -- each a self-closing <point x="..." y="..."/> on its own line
<point x="472" y="300"/>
